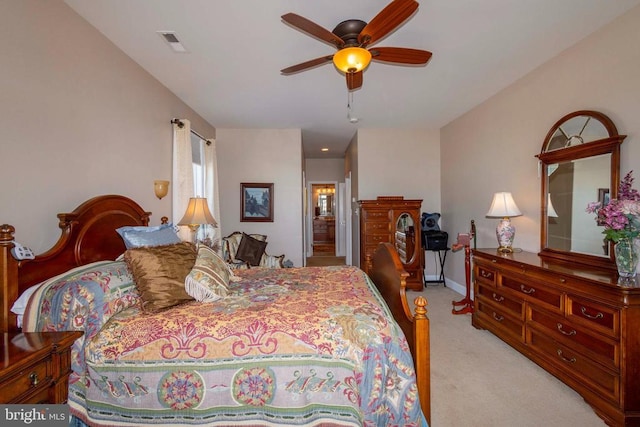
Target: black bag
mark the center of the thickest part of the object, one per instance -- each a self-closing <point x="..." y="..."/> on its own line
<point x="433" y="240"/>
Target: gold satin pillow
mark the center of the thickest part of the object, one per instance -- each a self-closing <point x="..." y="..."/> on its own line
<point x="159" y="273"/>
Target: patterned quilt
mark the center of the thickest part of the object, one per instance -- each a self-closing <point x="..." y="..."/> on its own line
<point x="297" y="346"/>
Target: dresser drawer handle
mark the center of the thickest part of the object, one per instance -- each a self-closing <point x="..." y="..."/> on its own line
<point x="563" y="280"/>
<point x="585" y="314"/>
<point x="498" y="298"/>
<point x="527" y="291"/>
<point x="572" y="360"/>
<point x="498" y="317"/>
<point x="494" y="261"/>
<point x="485" y="274"/>
<point x="33" y="377"/>
<point x="560" y="326"/>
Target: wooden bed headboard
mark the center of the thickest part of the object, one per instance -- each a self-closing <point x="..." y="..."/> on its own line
<point x="88" y="235"/>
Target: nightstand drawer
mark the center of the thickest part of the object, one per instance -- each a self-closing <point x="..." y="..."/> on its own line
<point x="28" y="379"/>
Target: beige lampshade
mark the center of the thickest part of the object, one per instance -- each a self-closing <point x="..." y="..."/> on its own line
<point x="503" y="206"/>
<point x="198" y="213"/>
<point x="351" y="59"/>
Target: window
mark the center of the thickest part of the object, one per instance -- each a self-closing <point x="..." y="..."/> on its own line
<point x="197" y="156"/>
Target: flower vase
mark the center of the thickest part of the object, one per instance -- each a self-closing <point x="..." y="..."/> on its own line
<point x="627" y="256"/>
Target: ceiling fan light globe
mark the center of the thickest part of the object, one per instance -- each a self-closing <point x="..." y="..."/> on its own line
<point x="351" y="59"/>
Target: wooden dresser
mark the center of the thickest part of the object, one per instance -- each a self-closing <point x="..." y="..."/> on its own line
<point x="392" y="219"/>
<point x="574" y="321"/>
<point x="35" y="367"/>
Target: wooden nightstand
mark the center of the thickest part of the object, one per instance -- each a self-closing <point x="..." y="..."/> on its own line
<point x="35" y="367"/>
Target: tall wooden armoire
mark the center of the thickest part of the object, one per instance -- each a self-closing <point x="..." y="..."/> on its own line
<point x="394" y="220"/>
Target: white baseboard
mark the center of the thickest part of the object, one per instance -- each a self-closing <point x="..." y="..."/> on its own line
<point x="454" y="286"/>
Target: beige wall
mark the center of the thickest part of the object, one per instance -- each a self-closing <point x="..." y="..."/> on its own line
<point x="79" y="118"/>
<point x="263" y="155"/>
<point x="396" y="162"/>
<point x="492" y="147"/>
<point x="324" y="170"/>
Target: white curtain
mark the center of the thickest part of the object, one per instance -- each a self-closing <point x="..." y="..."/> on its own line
<point x="211" y="187"/>
<point x="182" y="174"/>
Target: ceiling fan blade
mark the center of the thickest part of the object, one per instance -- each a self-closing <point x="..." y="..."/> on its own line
<point x="354" y="80"/>
<point x="313" y="29"/>
<point x="387" y="20"/>
<point x="306" y="65"/>
<point x="400" y="55"/>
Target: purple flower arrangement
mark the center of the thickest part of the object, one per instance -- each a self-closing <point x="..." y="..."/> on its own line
<point x="621" y="216"/>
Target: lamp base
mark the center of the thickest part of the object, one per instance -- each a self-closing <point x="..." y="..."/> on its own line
<point x="193" y="228"/>
<point x="505" y="232"/>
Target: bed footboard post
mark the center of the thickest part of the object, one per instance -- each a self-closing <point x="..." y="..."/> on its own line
<point x="422" y="355"/>
<point x="8" y="279"/>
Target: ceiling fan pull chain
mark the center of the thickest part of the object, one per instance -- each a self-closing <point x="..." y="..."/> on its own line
<point x="352" y="119"/>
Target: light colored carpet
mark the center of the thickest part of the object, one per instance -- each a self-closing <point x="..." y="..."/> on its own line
<point x="478" y="380"/>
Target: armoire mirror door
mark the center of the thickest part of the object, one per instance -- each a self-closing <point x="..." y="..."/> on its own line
<point x="580" y="163"/>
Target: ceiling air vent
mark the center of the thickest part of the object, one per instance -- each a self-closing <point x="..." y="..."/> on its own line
<point x="172" y="40"/>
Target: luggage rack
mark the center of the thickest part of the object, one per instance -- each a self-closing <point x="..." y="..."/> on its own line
<point x="442" y="257"/>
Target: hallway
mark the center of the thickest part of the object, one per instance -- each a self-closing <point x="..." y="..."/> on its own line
<point x="318" y="261"/>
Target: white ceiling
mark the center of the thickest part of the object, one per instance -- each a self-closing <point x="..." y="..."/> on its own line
<point x="231" y="74"/>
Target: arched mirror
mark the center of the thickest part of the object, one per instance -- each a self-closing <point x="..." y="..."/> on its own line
<point x="405" y="237"/>
<point x="580" y="161"/>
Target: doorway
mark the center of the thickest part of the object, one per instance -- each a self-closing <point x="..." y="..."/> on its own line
<point x="323" y="220"/>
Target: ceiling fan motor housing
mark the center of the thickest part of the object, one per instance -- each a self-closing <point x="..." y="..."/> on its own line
<point x="349" y="30"/>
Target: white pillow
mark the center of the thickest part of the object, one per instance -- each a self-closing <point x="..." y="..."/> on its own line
<point x="18" y="308"/>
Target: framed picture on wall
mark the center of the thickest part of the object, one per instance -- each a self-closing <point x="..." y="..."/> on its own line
<point x="256" y="202"/>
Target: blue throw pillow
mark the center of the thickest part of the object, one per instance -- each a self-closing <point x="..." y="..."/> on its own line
<point x="135" y="237"/>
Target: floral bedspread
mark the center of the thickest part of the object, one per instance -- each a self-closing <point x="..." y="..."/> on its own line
<point x="296" y="346"/>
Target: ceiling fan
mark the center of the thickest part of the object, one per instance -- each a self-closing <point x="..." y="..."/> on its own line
<point x="352" y="39"/>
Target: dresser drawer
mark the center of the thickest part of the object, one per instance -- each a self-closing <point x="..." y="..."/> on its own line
<point x="577" y="366"/>
<point x="594" y="315"/>
<point x="372" y="216"/>
<point x="375" y="239"/>
<point x="485" y="274"/>
<point x="536" y="293"/>
<point x="499" y="299"/>
<point x="500" y="318"/>
<point x="36" y="376"/>
<point x="377" y="228"/>
<point x="599" y="348"/>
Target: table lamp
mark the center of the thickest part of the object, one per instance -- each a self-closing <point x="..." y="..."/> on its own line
<point x="197" y="213"/>
<point x="504" y="207"/>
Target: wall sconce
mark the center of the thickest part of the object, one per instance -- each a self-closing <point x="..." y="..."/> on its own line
<point x="161" y="188"/>
<point x="504" y="207"/>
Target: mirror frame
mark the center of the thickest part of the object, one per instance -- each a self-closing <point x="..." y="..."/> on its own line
<point x="609" y="145"/>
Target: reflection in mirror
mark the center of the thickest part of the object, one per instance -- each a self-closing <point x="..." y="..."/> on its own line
<point x="324" y="199"/>
<point x="571" y="186"/>
<point x="405" y="233"/>
<point x="325" y="203"/>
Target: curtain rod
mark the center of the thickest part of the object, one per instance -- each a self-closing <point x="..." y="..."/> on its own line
<point x="181" y="125"/>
